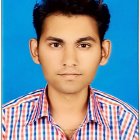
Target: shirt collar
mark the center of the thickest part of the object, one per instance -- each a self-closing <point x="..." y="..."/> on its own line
<point x="94" y="111"/>
<point x="41" y="108"/>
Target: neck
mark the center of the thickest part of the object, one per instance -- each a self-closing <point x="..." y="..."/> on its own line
<point x="67" y="107"/>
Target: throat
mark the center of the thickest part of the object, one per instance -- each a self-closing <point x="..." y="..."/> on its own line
<point x="69" y="133"/>
<point x="69" y="121"/>
<point x="68" y="111"/>
<point x="68" y="103"/>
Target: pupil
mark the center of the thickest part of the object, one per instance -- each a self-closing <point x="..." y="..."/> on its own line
<point x="83" y="45"/>
<point x="55" y="45"/>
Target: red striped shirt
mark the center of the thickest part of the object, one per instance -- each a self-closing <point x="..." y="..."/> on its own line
<point x="107" y="118"/>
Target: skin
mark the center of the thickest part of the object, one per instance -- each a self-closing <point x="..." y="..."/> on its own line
<point x="69" y="52"/>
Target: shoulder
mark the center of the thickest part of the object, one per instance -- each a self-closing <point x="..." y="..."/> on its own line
<point x="118" y="115"/>
<point x="28" y="98"/>
<point x="19" y="111"/>
<point x="110" y="101"/>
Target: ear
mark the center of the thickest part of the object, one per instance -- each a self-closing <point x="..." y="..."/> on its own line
<point x="105" y="53"/>
<point x="34" y="50"/>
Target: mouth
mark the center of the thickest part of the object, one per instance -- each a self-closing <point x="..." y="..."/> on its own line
<point x="65" y="74"/>
<point x="70" y="76"/>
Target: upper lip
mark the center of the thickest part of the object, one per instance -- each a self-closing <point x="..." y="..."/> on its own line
<point x="69" y="74"/>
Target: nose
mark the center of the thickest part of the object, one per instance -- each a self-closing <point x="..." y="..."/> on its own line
<point x="70" y="57"/>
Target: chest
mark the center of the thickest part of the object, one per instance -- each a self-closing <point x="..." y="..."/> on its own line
<point x="69" y="133"/>
<point x="43" y="130"/>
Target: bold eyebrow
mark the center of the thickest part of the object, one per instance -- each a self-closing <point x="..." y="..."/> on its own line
<point x="50" y="38"/>
<point x="88" y="38"/>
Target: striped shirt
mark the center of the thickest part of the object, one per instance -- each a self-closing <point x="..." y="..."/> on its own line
<point x="107" y="118"/>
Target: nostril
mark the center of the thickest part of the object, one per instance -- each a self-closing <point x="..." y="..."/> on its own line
<point x="69" y="65"/>
<point x="74" y="65"/>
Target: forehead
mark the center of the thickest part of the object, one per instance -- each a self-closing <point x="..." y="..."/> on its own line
<point x="73" y="25"/>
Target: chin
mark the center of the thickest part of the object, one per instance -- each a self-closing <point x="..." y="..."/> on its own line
<point x="70" y="89"/>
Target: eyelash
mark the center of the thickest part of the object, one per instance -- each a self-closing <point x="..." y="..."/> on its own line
<point x="54" y="43"/>
<point x="86" y="44"/>
<point x="78" y="45"/>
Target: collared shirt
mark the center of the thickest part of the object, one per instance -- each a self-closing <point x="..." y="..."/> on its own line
<point x="107" y="118"/>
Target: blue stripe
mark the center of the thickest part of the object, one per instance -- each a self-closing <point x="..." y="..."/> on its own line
<point x="35" y="130"/>
<point x="101" y="105"/>
<point x="126" y="131"/>
<point x="103" y="125"/>
<point x="41" y="104"/>
<point x="36" y="112"/>
<point x="137" y="129"/>
<point x="18" y="124"/>
<point x="79" y="134"/>
<point x="95" y="132"/>
<point x="87" y="134"/>
<point x="52" y="132"/>
<point x="137" y="132"/>
<point x="101" y="117"/>
<point x="30" y="117"/>
<point x="44" y="129"/>
<point x="89" y="111"/>
<point x="3" y="111"/>
<point x="11" y="123"/>
<point x="121" y="119"/>
<point x="104" y="136"/>
<point x="3" y="128"/>
<point x="111" y="122"/>
<point x="26" y="133"/>
<point x="28" y="112"/>
<point x="118" y="117"/>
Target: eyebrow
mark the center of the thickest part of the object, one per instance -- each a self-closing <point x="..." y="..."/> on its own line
<point x="88" y="38"/>
<point x="50" y="38"/>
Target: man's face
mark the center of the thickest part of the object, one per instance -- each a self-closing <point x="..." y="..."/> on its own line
<point x="69" y="52"/>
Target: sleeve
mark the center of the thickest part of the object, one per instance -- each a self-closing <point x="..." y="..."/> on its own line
<point x="136" y="134"/>
<point x="129" y="126"/>
<point x="3" y="127"/>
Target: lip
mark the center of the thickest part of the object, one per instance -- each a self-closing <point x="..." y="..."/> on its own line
<point x="70" y="76"/>
<point x="63" y="74"/>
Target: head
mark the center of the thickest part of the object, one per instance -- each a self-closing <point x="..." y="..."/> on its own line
<point x="70" y="44"/>
<point x="93" y="8"/>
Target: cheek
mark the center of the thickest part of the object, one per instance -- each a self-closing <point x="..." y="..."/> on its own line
<point x="48" y="57"/>
<point x="91" y="60"/>
<point x="49" y="62"/>
<point x="90" y="64"/>
<point x="90" y="71"/>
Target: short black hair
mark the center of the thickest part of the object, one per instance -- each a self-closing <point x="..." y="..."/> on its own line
<point x="93" y="8"/>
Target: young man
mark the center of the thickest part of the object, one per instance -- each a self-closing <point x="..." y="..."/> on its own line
<point x="70" y="46"/>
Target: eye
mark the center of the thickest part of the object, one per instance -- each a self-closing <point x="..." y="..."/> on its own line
<point x="55" y="45"/>
<point x="84" y="45"/>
